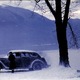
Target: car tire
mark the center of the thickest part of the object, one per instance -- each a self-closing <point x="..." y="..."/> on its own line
<point x="38" y="65"/>
<point x="0" y="66"/>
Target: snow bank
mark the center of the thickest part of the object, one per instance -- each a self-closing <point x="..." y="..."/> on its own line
<point x="52" y="57"/>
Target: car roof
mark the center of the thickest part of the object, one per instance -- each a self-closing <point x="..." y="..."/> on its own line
<point x="21" y="51"/>
<point x="24" y="51"/>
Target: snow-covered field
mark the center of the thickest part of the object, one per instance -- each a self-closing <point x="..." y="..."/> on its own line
<point x="54" y="72"/>
<point x="17" y="23"/>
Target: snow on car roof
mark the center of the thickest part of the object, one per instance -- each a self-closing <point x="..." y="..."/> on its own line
<point x="21" y="51"/>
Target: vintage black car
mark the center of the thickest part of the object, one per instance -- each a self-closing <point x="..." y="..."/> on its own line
<point x="25" y="60"/>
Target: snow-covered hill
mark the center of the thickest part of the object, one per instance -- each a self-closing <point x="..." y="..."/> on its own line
<point x="75" y="24"/>
<point x="23" y="29"/>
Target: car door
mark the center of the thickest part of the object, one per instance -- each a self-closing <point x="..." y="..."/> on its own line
<point x="25" y="59"/>
<point x="18" y="60"/>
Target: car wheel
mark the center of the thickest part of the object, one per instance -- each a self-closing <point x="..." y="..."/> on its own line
<point x="0" y="66"/>
<point x="37" y="65"/>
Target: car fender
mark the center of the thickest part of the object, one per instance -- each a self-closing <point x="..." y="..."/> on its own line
<point x="34" y="62"/>
<point x="3" y="65"/>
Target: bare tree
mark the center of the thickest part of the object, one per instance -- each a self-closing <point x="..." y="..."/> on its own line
<point x="60" y="13"/>
<point x="61" y="20"/>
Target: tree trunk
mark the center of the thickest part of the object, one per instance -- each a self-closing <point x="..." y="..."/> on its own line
<point x="62" y="41"/>
<point x="61" y="29"/>
<point x="61" y="32"/>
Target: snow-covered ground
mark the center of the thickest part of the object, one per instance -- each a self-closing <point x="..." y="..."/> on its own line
<point x="54" y="72"/>
<point x="17" y="23"/>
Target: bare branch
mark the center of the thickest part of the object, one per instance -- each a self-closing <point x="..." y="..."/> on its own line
<point x="66" y="12"/>
<point x="73" y="36"/>
<point x="37" y="1"/>
<point x="50" y="7"/>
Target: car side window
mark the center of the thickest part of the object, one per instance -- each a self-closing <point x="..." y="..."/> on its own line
<point x="22" y="54"/>
<point x="33" y="55"/>
<point x="26" y="54"/>
<point x="18" y="55"/>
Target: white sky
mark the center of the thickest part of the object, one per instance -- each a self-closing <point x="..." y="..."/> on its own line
<point x="27" y="5"/>
<point x="31" y="4"/>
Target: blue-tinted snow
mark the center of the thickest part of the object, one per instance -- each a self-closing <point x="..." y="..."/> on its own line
<point x="23" y="29"/>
